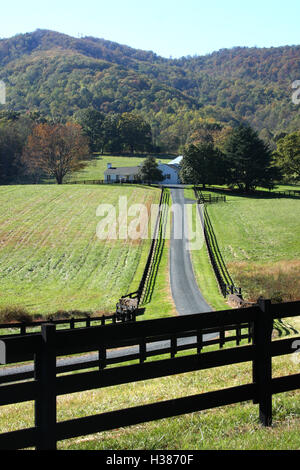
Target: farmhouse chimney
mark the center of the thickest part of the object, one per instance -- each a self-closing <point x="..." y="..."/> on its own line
<point x="108" y="166"/>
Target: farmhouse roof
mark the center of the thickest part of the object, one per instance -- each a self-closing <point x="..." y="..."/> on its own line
<point x="176" y="160"/>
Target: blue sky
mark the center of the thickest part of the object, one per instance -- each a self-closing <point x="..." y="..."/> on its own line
<point x="167" y="27"/>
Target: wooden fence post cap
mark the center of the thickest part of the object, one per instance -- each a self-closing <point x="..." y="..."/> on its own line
<point x="264" y="304"/>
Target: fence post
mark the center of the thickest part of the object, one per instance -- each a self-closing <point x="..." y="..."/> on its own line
<point x="45" y="403"/>
<point x="262" y="365"/>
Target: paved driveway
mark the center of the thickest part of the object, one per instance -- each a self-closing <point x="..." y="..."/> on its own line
<point x="186" y="294"/>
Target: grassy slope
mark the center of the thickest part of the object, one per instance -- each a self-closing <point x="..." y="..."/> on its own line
<point x="259" y="240"/>
<point x="51" y="258"/>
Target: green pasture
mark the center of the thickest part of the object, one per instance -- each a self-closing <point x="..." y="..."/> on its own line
<point x="50" y="256"/>
<point x="259" y="239"/>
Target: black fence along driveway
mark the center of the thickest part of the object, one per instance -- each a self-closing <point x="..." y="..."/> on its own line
<point x="187" y="297"/>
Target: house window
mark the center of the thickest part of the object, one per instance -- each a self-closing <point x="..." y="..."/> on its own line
<point x="168" y="176"/>
<point x="108" y="177"/>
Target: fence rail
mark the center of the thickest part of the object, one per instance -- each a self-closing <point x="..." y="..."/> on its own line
<point x="271" y="193"/>
<point x="225" y="282"/>
<point x="207" y="198"/>
<point x="118" y="181"/>
<point x="286" y="192"/>
<point x="44" y="348"/>
<point x="26" y="327"/>
<point x="154" y="247"/>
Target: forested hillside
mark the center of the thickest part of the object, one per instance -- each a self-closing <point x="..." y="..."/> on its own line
<point x="58" y="75"/>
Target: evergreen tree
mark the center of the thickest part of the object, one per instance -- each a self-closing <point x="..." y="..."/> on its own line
<point x="249" y="160"/>
<point x="149" y="171"/>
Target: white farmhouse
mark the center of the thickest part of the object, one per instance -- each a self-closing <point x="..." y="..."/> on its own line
<point x="130" y="173"/>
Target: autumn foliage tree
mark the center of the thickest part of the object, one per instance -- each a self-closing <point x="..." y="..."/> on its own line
<point x="56" y="149"/>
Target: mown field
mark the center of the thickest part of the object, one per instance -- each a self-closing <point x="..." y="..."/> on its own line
<point x="259" y="239"/>
<point x="98" y="164"/>
<point x="50" y="256"/>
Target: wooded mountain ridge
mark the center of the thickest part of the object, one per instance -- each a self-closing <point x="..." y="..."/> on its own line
<point x="59" y="75"/>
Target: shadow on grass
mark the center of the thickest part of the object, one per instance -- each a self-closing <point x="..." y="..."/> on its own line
<point x="149" y="288"/>
<point x="252" y="194"/>
<point x="284" y="329"/>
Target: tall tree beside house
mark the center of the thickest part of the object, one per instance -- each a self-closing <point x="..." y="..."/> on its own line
<point x="202" y="164"/>
<point x="56" y="149"/>
<point x="149" y="171"/>
<point x="249" y="160"/>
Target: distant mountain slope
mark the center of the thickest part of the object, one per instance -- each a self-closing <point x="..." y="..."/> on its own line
<point x="58" y="75"/>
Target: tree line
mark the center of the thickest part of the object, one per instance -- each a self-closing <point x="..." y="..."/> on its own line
<point x="32" y="147"/>
<point x="239" y="158"/>
<point x="115" y="133"/>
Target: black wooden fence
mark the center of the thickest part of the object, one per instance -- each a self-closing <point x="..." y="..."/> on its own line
<point x="292" y="193"/>
<point x="155" y="242"/>
<point x="26" y="327"/>
<point x="286" y="193"/>
<point x="118" y="181"/>
<point x="44" y="348"/>
<point x="149" y="274"/>
<point x="225" y="281"/>
<point x="207" y="198"/>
